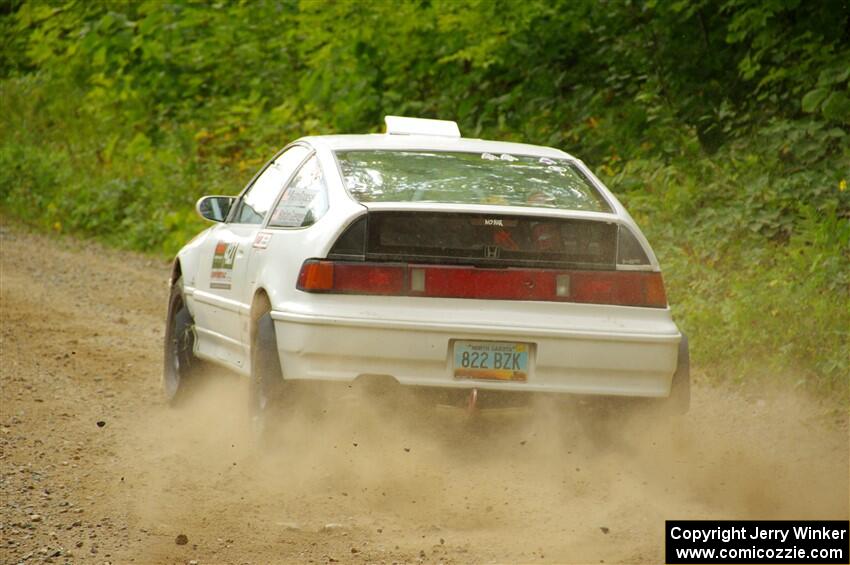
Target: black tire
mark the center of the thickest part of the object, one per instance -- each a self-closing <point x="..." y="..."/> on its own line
<point x="180" y="364"/>
<point x="266" y="374"/>
<point x="679" y="401"/>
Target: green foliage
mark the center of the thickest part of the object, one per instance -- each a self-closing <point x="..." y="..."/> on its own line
<point x="722" y="124"/>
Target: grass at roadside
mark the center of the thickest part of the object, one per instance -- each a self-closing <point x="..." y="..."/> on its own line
<point x="757" y="301"/>
<point x="754" y="239"/>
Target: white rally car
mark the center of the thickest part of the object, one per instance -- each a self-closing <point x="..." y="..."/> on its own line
<point x="430" y="259"/>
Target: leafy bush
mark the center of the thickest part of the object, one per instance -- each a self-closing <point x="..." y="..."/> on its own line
<point x="722" y="124"/>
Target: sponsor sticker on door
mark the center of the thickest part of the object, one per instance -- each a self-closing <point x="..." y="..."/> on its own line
<point x="221" y="274"/>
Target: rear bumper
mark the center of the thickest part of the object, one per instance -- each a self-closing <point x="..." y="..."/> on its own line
<point x="610" y="358"/>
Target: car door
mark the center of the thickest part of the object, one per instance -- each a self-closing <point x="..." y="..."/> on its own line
<point x="220" y="294"/>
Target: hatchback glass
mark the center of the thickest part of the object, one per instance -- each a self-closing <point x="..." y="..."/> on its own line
<point x="468" y="178"/>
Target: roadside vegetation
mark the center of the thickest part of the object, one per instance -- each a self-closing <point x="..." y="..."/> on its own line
<point x="723" y="125"/>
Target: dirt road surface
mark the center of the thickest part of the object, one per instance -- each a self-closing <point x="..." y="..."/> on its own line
<point x="97" y="468"/>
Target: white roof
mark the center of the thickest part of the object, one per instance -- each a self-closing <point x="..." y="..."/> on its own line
<point x="430" y="143"/>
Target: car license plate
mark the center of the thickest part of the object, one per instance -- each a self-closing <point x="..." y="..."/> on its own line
<point x="491" y="360"/>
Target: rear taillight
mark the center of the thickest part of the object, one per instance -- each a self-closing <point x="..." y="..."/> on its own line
<point x="621" y="288"/>
<point x="316" y="276"/>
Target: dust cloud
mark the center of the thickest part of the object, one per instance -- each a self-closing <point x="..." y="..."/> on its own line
<point x="351" y="474"/>
<point x="553" y="480"/>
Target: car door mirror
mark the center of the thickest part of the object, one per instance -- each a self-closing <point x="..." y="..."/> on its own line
<point x="214" y="208"/>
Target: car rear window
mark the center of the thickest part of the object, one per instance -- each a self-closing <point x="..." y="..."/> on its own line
<point x="468" y="178"/>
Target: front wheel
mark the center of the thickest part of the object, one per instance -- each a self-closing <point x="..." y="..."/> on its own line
<point x="180" y="362"/>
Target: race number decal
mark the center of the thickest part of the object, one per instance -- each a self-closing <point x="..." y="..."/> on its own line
<point x="221" y="274"/>
<point x="262" y="240"/>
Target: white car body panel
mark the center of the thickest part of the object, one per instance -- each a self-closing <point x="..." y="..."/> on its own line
<point x="579" y="348"/>
<point x="220" y="312"/>
<point x="575" y="348"/>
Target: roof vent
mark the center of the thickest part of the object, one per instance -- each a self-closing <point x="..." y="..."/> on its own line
<point x="399" y="125"/>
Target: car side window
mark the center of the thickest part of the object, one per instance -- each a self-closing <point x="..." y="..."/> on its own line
<point x="260" y="197"/>
<point x="305" y="200"/>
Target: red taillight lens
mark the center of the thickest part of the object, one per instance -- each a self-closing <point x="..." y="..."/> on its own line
<point x="656" y="296"/>
<point x="354" y="278"/>
<point x="316" y="276"/>
<point x="494" y="284"/>
<point x="370" y="279"/>
<point x="622" y="288"/>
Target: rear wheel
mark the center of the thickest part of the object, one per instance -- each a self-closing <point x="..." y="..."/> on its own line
<point x="180" y="363"/>
<point x="266" y="373"/>
<point x="679" y="401"/>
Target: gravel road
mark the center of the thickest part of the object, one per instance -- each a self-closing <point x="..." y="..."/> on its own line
<point x="95" y="467"/>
